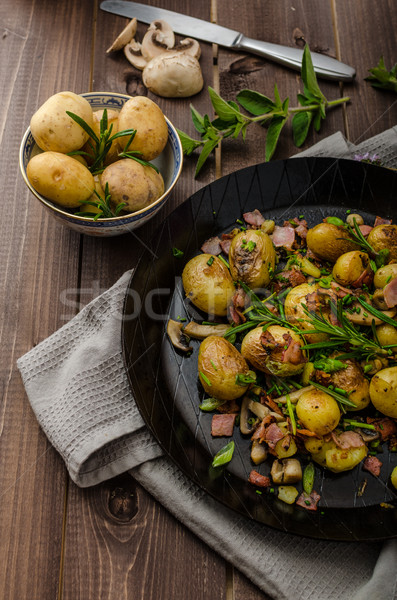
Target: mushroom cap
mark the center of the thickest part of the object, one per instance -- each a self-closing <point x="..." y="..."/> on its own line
<point x="158" y="39"/>
<point x="133" y="53"/>
<point x="174" y="75"/>
<point x="124" y="37"/>
<point x="188" y="46"/>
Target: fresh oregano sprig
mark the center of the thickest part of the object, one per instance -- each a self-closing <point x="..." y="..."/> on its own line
<point x="231" y="122"/>
<point x="383" y="79"/>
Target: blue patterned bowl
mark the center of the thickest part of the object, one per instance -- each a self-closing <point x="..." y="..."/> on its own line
<point x="169" y="164"/>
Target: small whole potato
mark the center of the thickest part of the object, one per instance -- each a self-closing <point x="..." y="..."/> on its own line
<point x="318" y="411"/>
<point x="219" y="363"/>
<point x="387" y="335"/>
<point x="54" y="130"/>
<point x="383" y="391"/>
<point x="294" y="312"/>
<point x="353" y="267"/>
<point x="384" y="237"/>
<point x="134" y="184"/>
<point x="352" y="380"/>
<point x="328" y="241"/>
<point x="338" y="459"/>
<point x="277" y="351"/>
<point x="252" y="258"/>
<point x="208" y="284"/>
<point x="146" y="117"/>
<point x="384" y="275"/>
<point x="113" y="153"/>
<point x="60" y="178"/>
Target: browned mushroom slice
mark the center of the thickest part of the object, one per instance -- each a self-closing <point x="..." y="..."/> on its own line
<point x="124" y="37"/>
<point x="287" y="470"/>
<point x="200" y="332"/>
<point x="178" y="340"/>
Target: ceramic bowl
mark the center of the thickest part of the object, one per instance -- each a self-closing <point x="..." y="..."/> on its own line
<point x="169" y="164"/>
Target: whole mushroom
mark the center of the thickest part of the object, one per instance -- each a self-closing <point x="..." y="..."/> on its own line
<point x="175" y="75"/>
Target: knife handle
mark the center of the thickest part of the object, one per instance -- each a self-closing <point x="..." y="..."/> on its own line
<point x="324" y="66"/>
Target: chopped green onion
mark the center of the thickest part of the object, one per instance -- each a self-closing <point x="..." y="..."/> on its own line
<point x="177" y="253"/>
<point x="205" y="378"/>
<point x="308" y="478"/>
<point x="291" y="414"/>
<point x="210" y="404"/>
<point x="210" y="260"/>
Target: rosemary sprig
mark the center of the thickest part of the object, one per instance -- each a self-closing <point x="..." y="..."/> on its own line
<point x="103" y="205"/>
<point x="357" y="237"/>
<point x="258" y="311"/>
<point x="376" y="313"/>
<point x="338" y="397"/>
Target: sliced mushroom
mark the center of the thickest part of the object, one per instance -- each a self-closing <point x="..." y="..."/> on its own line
<point x="178" y="340"/>
<point x="258" y="452"/>
<point x="378" y="299"/>
<point x="246" y="427"/>
<point x="293" y="396"/>
<point x="175" y="75"/>
<point x="362" y="317"/>
<point x="158" y="39"/>
<point x="262" y="411"/>
<point x="133" y="53"/>
<point x="287" y="470"/>
<point x="200" y="332"/>
<point x="188" y="46"/>
<point x="124" y="37"/>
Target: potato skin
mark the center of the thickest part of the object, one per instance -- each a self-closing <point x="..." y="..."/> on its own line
<point x="146" y="117"/>
<point x="383" y="391"/>
<point x="261" y="357"/>
<point x="252" y="266"/>
<point x="295" y="314"/>
<point x="328" y="241"/>
<point x="318" y="411"/>
<point x="60" y="178"/>
<point x="209" y="287"/>
<point x="387" y="335"/>
<point x="350" y="266"/>
<point x="385" y="274"/>
<point x="352" y="380"/>
<point x="54" y="130"/>
<point x="219" y="361"/>
<point x="384" y="236"/>
<point x="333" y="458"/>
<point x="133" y="183"/>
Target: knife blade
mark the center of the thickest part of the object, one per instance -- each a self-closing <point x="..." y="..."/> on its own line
<point x="324" y="66"/>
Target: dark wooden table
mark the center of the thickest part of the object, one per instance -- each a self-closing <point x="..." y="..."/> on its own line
<point x="114" y="541"/>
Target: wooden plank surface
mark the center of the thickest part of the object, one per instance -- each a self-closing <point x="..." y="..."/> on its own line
<point x="114" y="540"/>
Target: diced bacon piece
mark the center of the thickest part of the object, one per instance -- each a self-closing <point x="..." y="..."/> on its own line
<point x="225" y="245"/>
<point x="365" y="229"/>
<point x="380" y="221"/>
<point x="260" y="431"/>
<point x="348" y="439"/>
<point x="390" y="293"/>
<point x="373" y="465"/>
<point x="254" y="218"/>
<point x="222" y="425"/>
<point x="273" y="434"/>
<point x="365" y="278"/>
<point x="386" y="427"/>
<point x="283" y="237"/>
<point x="293" y="353"/>
<point x="259" y="480"/>
<point x="212" y="246"/>
<point x="308" y="501"/>
<point x="301" y="230"/>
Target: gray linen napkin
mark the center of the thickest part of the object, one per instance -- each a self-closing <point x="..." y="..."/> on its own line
<point x="78" y="389"/>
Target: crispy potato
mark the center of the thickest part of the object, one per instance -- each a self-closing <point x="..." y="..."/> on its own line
<point x="146" y="117"/>
<point x="54" y="130"/>
<point x="219" y="362"/>
<point x="208" y="286"/>
<point x="383" y="391"/>
<point x="338" y="459"/>
<point x="328" y="241"/>
<point x="384" y="237"/>
<point x="318" y="411"/>
<point x="60" y="178"/>
<point x="265" y="350"/>
<point x="252" y="258"/>
<point x="133" y="183"/>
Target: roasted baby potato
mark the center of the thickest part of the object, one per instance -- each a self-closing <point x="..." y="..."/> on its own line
<point x="208" y="284"/>
<point x="294" y="311"/>
<point x="352" y="380"/>
<point x="383" y="391"/>
<point x="143" y="115"/>
<point x="318" y="411"/>
<point x="387" y="335"/>
<point x="328" y="241"/>
<point x="252" y="258"/>
<point x="277" y="351"/>
<point x="384" y="237"/>
<point x="134" y="184"/>
<point x="54" y="130"/>
<point x="334" y="458"/>
<point x="60" y="178"/>
<point x="384" y="275"/>
<point x="219" y="364"/>
<point x="352" y="267"/>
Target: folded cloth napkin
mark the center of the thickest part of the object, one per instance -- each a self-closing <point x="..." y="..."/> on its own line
<point x="77" y="386"/>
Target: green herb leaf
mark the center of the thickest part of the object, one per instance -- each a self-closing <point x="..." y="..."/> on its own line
<point x="198" y="120"/>
<point x="224" y="455"/>
<point x="222" y="108"/>
<point x="275" y="127"/>
<point x="177" y="253"/>
<point x="188" y="143"/>
<point x="208" y="147"/>
<point x="329" y="365"/>
<point x="309" y="76"/>
<point x="246" y="378"/>
<point x="210" y="404"/>
<point x="255" y="102"/>
<point x="383" y="79"/>
<point x="300" y="127"/>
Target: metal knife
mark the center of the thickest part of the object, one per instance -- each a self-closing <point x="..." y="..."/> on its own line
<point x="324" y="66"/>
